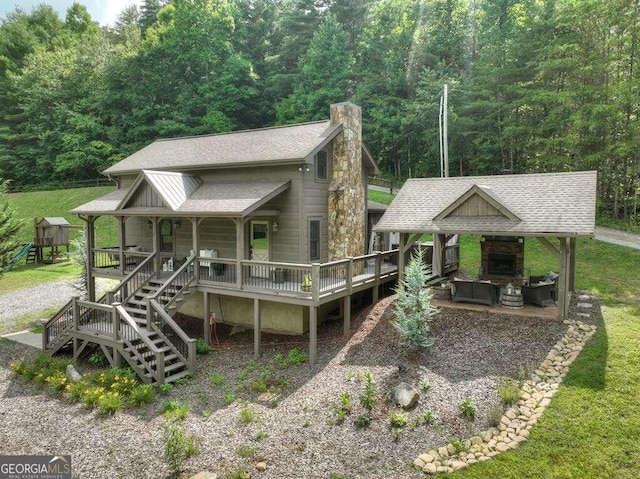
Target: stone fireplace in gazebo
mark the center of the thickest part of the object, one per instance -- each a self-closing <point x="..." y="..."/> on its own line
<point x="502" y="258"/>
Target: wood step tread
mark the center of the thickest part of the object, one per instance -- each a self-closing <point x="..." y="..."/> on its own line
<point x="177" y="376"/>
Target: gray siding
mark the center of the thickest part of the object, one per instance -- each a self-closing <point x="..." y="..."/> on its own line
<point x="316" y="206"/>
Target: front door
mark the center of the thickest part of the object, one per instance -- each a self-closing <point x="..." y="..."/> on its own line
<point x="259" y="247"/>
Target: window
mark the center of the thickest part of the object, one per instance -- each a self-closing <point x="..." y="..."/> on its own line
<point x="314" y="240"/>
<point x="321" y="165"/>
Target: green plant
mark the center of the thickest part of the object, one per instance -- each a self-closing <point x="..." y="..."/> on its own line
<point x="346" y="403"/>
<point x="206" y="413"/>
<point x="467" y="409"/>
<point x="425" y="385"/>
<point x="413" y="310"/>
<point x="247" y="414"/>
<point x="178" y="446"/>
<point x="259" y="386"/>
<point x="509" y="392"/>
<point x="217" y="379"/>
<point x="460" y="445"/>
<point x="494" y="414"/>
<point x="246" y="452"/>
<point x="142" y="394"/>
<point x="240" y="473"/>
<point x="108" y="405"/>
<point x="397" y="418"/>
<point x="368" y="395"/>
<point x="175" y="409"/>
<point x="229" y="397"/>
<point x="306" y="422"/>
<point x="363" y="419"/>
<point x="260" y="435"/>
<point x="306" y="281"/>
<point x="424" y="418"/>
<point x="97" y="358"/>
<point x="397" y="432"/>
<point x="183" y="380"/>
<point x="202" y="347"/>
<point x="165" y="388"/>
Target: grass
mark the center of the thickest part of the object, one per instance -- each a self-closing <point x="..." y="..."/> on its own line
<point x="380" y="197"/>
<point x="592" y="427"/>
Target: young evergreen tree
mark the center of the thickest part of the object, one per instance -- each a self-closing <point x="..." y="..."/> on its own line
<point x="9" y="226"/>
<point x="413" y="309"/>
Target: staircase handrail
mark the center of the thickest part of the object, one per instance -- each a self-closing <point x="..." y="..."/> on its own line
<point x="158" y="372"/>
<point x="172" y="279"/>
<point x="187" y="353"/>
<point x="51" y="322"/>
<point x="127" y="279"/>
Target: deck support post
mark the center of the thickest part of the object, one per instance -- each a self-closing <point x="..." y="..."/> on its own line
<point x="572" y="265"/>
<point x="122" y="240"/>
<point x="116" y="334"/>
<point x="195" y="244"/>
<point x="206" y="321"/>
<point x="240" y="222"/>
<point x="91" y="244"/>
<point x="564" y="279"/>
<point x="257" y="328"/>
<point x="156" y="245"/>
<point x="313" y="334"/>
<point x="346" y="313"/>
<point x="377" y="272"/>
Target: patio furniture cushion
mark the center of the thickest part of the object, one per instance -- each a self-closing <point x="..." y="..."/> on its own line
<point x="481" y="292"/>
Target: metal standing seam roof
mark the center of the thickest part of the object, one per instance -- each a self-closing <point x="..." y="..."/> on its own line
<point x="544" y="204"/>
<point x="173" y="188"/>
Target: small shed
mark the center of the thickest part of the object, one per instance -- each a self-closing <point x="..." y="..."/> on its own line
<point x="52" y="231"/>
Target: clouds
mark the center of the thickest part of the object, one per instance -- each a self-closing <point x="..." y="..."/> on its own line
<point x="105" y="12"/>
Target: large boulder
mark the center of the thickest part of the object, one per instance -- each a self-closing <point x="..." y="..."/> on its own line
<point x="404" y="395"/>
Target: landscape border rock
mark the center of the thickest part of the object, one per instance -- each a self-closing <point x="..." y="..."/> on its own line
<point x="516" y="423"/>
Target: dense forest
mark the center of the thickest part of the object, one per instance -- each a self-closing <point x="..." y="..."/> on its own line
<point x="534" y="85"/>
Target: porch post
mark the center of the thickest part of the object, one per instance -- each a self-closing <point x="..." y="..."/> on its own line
<point x="572" y="265"/>
<point x="91" y="244"/>
<point x="196" y="248"/>
<point x="122" y="242"/>
<point x="239" y="250"/>
<point x="563" y="280"/>
<point x="437" y="263"/>
<point x="206" y="321"/>
<point x="346" y="313"/>
<point x="313" y="334"/>
<point x="401" y="250"/>
<point x="257" y="328"/>
<point x="156" y="246"/>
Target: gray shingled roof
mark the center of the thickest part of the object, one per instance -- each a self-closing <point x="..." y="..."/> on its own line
<point x="211" y="199"/>
<point x="547" y="204"/>
<point x="275" y="145"/>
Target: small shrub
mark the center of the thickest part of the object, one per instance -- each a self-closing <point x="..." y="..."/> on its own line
<point x="142" y="394"/>
<point x="175" y="409"/>
<point x="246" y="452"/>
<point x="259" y="386"/>
<point x="368" y="395"/>
<point x="296" y="357"/>
<point x="202" y="347"/>
<point x="91" y="396"/>
<point x="240" y="473"/>
<point x="363" y="419"/>
<point x="229" y="397"/>
<point x="459" y="445"/>
<point x="57" y="381"/>
<point x="397" y="433"/>
<point x="494" y="415"/>
<point x="109" y="404"/>
<point x="306" y="422"/>
<point x="467" y="409"/>
<point x="346" y="403"/>
<point x="183" y="380"/>
<point x="509" y="392"/>
<point x="247" y="414"/>
<point x="425" y="385"/>
<point x="425" y="418"/>
<point x="165" y="388"/>
<point x="397" y="418"/>
<point x="18" y="367"/>
<point x="413" y="310"/>
<point x="97" y="358"/>
<point x="218" y="379"/>
<point x="260" y="435"/>
<point x="206" y="413"/>
<point x="178" y="447"/>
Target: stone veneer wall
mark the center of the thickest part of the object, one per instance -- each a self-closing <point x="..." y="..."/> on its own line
<point x="347" y="195"/>
<point x="492" y="246"/>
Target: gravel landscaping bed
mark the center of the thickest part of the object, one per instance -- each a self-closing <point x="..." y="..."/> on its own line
<point x="295" y="432"/>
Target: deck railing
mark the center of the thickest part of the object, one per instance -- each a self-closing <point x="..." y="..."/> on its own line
<point x="179" y="281"/>
<point x="133" y="281"/>
<point x="114" y="261"/>
<point x="307" y="280"/>
<point x="175" y="337"/>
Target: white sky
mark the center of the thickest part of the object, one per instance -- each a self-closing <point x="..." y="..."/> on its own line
<point x="104" y="12"/>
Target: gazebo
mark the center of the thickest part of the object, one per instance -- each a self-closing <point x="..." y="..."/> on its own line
<point x="555" y="208"/>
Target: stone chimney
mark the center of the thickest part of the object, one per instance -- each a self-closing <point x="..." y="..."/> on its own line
<point x="347" y="195"/>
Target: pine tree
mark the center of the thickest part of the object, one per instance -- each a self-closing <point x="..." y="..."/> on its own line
<point x="413" y="309"/>
<point x="9" y="226"/>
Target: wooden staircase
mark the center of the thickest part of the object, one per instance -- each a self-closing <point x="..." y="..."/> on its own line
<point x="32" y="255"/>
<point x="133" y="322"/>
